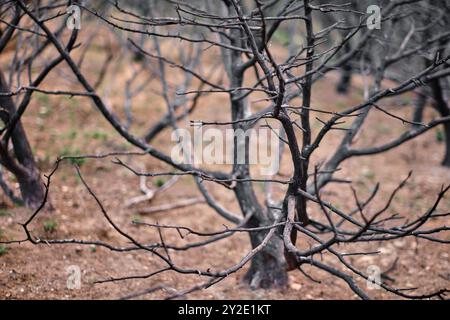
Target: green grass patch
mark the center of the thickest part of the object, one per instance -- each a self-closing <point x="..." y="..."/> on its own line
<point x="159" y="182"/>
<point x="5" y="213"/>
<point x="68" y="151"/>
<point x="3" y="250"/>
<point x="98" y="135"/>
<point x="50" y="226"/>
<point x="439" y="135"/>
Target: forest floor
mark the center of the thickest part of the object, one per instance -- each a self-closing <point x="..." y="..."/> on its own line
<point x="59" y="125"/>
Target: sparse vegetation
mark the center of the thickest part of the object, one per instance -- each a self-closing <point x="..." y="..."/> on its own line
<point x="68" y="151"/>
<point x="3" y="250"/>
<point x="159" y="182"/>
<point x="439" y="135"/>
<point x="50" y="226"/>
<point x="4" y="213"/>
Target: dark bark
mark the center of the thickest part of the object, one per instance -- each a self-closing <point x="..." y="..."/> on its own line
<point x="441" y="106"/>
<point x="31" y="188"/>
<point x="346" y="79"/>
<point x="446" y="160"/>
<point x="346" y="73"/>
<point x="22" y="163"/>
<point x="268" y="267"/>
<point x="419" y="107"/>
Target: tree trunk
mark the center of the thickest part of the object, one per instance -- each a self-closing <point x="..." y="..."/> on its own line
<point x="346" y="75"/>
<point x="31" y="188"/>
<point x="446" y="160"/>
<point x="441" y="106"/>
<point x="346" y="79"/>
<point x="268" y="267"/>
<point x="22" y="164"/>
<point x="421" y="102"/>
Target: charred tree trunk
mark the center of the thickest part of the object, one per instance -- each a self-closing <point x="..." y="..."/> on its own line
<point x="441" y="106"/>
<point x="268" y="267"/>
<point x="346" y="75"/>
<point x="446" y="160"/>
<point x="421" y="102"/>
<point x="31" y="188"/>
<point x="346" y="79"/>
<point x="21" y="163"/>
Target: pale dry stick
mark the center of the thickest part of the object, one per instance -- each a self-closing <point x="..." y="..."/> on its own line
<point x="171" y="206"/>
<point x="148" y="193"/>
